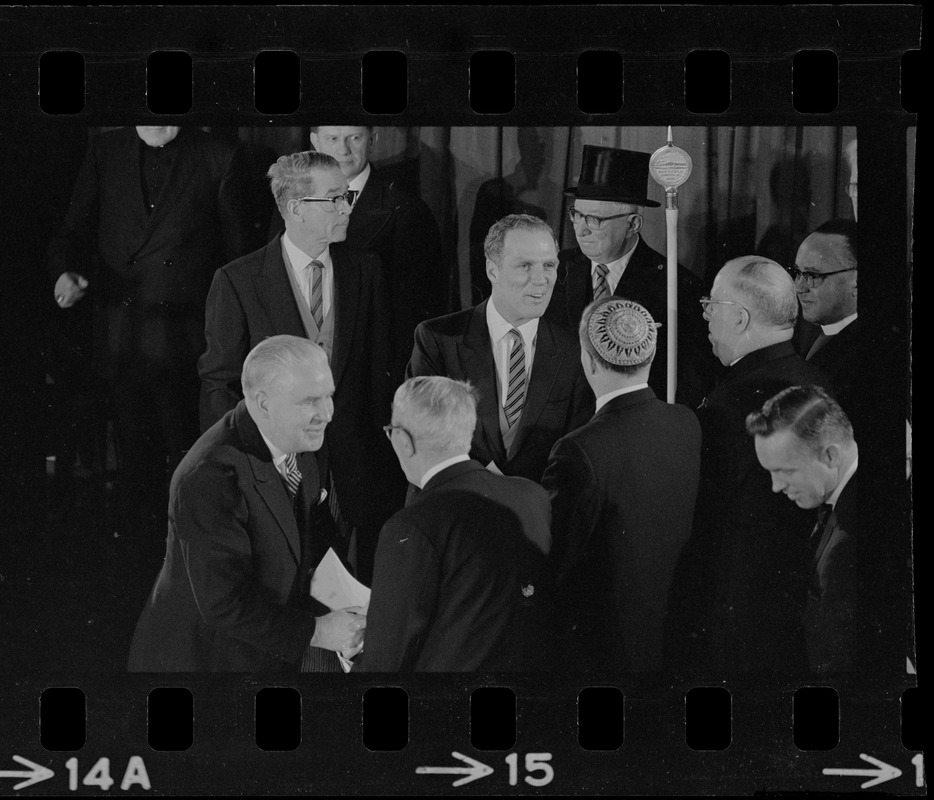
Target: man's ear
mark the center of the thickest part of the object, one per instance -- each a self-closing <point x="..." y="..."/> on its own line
<point x="591" y="362"/>
<point x="492" y="271"/>
<point x="313" y="137"/>
<point x="261" y="399"/>
<point x="635" y="223"/>
<point x="743" y="319"/>
<point x="830" y="456"/>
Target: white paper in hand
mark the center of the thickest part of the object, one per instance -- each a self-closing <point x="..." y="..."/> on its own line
<point x="334" y="586"/>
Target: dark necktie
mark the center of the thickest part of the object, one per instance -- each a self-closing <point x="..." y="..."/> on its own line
<point x="823" y="514"/>
<point x="601" y="288"/>
<point x="515" y="390"/>
<point x="819" y="342"/>
<point x="316" y="292"/>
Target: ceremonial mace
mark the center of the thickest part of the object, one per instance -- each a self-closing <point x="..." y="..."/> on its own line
<point x="670" y="166"/>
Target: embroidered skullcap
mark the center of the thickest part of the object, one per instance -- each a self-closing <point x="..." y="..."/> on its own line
<point x="622" y="332"/>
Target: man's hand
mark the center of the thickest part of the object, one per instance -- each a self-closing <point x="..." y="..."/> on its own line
<point x="341" y="630"/>
<point x="69" y="289"/>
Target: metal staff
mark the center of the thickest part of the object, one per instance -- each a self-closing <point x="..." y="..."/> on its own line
<point x="670" y="166"/>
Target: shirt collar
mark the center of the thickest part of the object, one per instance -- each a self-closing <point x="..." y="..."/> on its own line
<point x="835" y="327"/>
<point x="618" y="267"/>
<point x="299" y="259"/>
<point x="603" y="399"/>
<point x="499" y="327"/>
<point x="843" y="482"/>
<point x="360" y="180"/>
<point x="443" y="465"/>
<point x="278" y="457"/>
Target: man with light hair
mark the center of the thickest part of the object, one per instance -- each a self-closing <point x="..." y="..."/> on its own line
<point x="805" y="442"/>
<point x="526" y="369"/>
<point x="460" y="571"/>
<point x="247" y="527"/>
<point x="612" y="258"/>
<point x="742" y="581"/>
<point x="622" y="491"/>
<point x="309" y="283"/>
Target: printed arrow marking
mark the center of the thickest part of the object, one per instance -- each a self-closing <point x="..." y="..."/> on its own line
<point x="472" y="772"/>
<point x="36" y="774"/>
<point x="882" y="773"/>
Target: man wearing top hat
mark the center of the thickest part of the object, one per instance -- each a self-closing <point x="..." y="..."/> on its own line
<point x="613" y="259"/>
<point x="622" y="491"/>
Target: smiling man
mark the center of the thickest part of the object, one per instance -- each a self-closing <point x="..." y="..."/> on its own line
<point x="612" y="258"/>
<point x="309" y="282"/>
<point x="805" y="442"/>
<point x="246" y="529"/>
<point x="525" y="369"/>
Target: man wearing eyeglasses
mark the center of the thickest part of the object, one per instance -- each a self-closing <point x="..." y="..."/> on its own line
<point x="825" y="279"/>
<point x="613" y="259"/>
<point x="308" y="283"/>
<point x="741" y="585"/>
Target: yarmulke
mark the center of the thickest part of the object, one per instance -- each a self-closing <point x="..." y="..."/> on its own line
<point x="623" y="332"/>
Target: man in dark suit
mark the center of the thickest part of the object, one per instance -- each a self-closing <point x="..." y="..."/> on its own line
<point x="742" y="584"/>
<point x="612" y="259"/>
<point x="805" y="441"/>
<point x="622" y="492"/>
<point x="522" y="410"/>
<point x="459" y="570"/>
<point x="825" y="278"/>
<point x="309" y="283"/>
<point x="397" y="226"/>
<point x="154" y="212"/>
<point x="246" y="532"/>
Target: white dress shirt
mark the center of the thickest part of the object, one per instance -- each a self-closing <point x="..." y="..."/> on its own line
<point x="502" y="345"/>
<point x="834" y="328"/>
<point x="603" y="399"/>
<point x="615" y="268"/>
<point x="359" y="181"/>
<point x="438" y="467"/>
<point x="299" y="261"/>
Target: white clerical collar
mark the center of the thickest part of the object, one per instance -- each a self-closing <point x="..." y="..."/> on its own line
<point x="615" y="269"/>
<point x="835" y="327"/>
<point x="499" y="327"/>
<point x="278" y="457"/>
<point x="359" y="181"/>
<point x="443" y="465"/>
<point x="603" y="399"/>
<point x="843" y="482"/>
<point x="299" y="259"/>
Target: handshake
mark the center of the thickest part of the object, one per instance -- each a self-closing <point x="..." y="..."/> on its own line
<point x="341" y="631"/>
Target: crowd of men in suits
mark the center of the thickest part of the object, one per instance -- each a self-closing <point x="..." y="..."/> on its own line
<point x="533" y="504"/>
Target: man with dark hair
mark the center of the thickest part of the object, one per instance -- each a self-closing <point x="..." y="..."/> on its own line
<point x="612" y="258"/>
<point x="155" y="211"/>
<point x="247" y="529"/>
<point x="743" y="578"/>
<point x="309" y="283"/>
<point x="622" y="493"/>
<point x="805" y="441"/>
<point x="459" y="570"/>
<point x="396" y="225"/>
<point x="825" y="275"/>
<point x="526" y="369"/>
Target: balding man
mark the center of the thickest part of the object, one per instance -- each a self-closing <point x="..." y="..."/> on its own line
<point x="247" y="527"/>
<point x="744" y="572"/>
<point x="825" y="277"/>
<point x="458" y="570"/>
<point x="309" y="283"/>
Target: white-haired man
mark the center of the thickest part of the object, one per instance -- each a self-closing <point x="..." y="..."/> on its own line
<point x="246" y="529"/>
<point x="744" y="571"/>
<point x="460" y="570"/>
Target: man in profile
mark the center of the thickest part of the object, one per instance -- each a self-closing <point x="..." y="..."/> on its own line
<point x="743" y="577"/>
<point x="246" y="531"/>
<point x="805" y="441"/>
<point x="622" y="492"/>
<point x="525" y="368"/>
<point x="460" y="570"/>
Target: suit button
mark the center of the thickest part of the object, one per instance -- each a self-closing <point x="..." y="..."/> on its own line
<point x="167" y="262"/>
<point x="661" y="266"/>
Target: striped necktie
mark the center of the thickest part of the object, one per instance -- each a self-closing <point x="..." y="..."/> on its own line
<point x="316" y="293"/>
<point x="600" y="287"/>
<point x="515" y="390"/>
<point x="293" y="475"/>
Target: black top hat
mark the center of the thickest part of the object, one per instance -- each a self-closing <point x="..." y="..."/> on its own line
<point x="608" y="173"/>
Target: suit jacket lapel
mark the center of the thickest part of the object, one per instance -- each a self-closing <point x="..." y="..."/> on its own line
<point x="275" y="292"/>
<point x="347" y="287"/>
<point x="476" y="356"/>
<point x="269" y="484"/>
<point x="545" y="366"/>
<point x="579" y="288"/>
<point x="184" y="167"/>
<point x="370" y="213"/>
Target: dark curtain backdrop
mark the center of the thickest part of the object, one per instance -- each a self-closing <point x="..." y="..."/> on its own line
<point x="753" y="189"/>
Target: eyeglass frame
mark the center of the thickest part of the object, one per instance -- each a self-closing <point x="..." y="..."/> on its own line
<point x="388" y="429"/>
<point x="707" y="301"/>
<point x="601" y="221"/>
<point x="814" y="279"/>
<point x="349" y="198"/>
